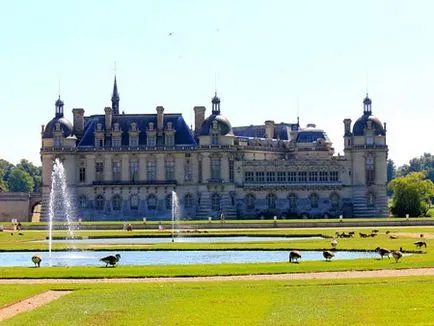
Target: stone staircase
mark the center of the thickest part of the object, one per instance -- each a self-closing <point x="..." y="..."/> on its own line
<point x="226" y="206"/>
<point x="360" y="208"/>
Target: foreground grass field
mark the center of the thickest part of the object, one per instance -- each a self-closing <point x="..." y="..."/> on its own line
<point x="388" y="301"/>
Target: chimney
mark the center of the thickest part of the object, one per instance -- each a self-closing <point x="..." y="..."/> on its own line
<point x="347" y="126"/>
<point x="108" y="118"/>
<point x="269" y="129"/>
<point x="78" y="121"/>
<point x="199" y="117"/>
<point x="160" y="117"/>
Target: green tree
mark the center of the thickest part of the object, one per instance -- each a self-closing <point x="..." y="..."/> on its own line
<point x="411" y="194"/>
<point x="5" y="170"/>
<point x="34" y="171"/>
<point x="20" y="180"/>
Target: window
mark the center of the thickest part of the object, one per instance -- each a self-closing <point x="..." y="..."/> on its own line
<point x="188" y="201"/>
<point x="116" y="171"/>
<point x="334" y="176"/>
<point x="214" y="138"/>
<point x="313" y="176"/>
<point x="100" y="143"/>
<point x="152" y="202"/>
<point x="260" y="176"/>
<point x="170" y="168"/>
<point x="116" y="142"/>
<point x="281" y="176"/>
<point x="271" y="201"/>
<point x="134" y="202"/>
<point x="199" y="171"/>
<point x="151" y="171"/>
<point x="250" y="201"/>
<point x="169" y="202"/>
<point x="302" y="176"/>
<point x="82" y="174"/>
<point x="116" y="202"/>
<point x="215" y="168"/>
<point x="151" y="141"/>
<point x="314" y="200"/>
<point x="134" y="170"/>
<point x="292" y="177"/>
<point x="231" y="171"/>
<point x="271" y="176"/>
<point x="292" y="198"/>
<point x="170" y="140"/>
<point x="57" y="141"/>
<point x="370" y="170"/>
<point x="188" y="171"/>
<point x="249" y="176"/>
<point x="99" y="171"/>
<point x="215" y="202"/>
<point x="334" y="200"/>
<point x="369" y="140"/>
<point x="99" y="203"/>
<point x="134" y="141"/>
<point x="82" y="201"/>
<point x="323" y="176"/>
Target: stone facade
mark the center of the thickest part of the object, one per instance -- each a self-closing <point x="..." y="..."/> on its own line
<point x="125" y="166"/>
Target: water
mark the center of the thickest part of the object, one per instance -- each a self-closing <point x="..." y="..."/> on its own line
<point x="60" y="206"/>
<point x="138" y="240"/>
<point x="172" y="257"/>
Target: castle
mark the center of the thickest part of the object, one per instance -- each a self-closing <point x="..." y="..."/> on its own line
<point x="125" y="166"/>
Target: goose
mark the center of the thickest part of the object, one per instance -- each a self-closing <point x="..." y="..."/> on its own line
<point x="328" y="255"/>
<point x="36" y="260"/>
<point x="111" y="260"/>
<point x="397" y="255"/>
<point x="294" y="256"/>
<point x="420" y="244"/>
<point x="383" y="252"/>
<point x="334" y="243"/>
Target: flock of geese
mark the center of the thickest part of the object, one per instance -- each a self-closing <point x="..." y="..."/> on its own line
<point x="295" y="256"/>
<point x="108" y="260"/>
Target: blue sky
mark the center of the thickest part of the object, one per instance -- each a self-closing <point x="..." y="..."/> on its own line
<point x="270" y="60"/>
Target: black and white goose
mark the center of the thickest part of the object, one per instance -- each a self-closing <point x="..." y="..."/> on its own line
<point x="294" y="256"/>
<point x="111" y="260"/>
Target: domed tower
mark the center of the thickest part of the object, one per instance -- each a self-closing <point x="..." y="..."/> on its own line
<point x="216" y="129"/>
<point x="366" y="149"/>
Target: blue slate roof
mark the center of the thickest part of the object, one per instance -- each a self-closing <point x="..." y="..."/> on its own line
<point x="183" y="134"/>
<point x="281" y="131"/>
<point x="361" y="124"/>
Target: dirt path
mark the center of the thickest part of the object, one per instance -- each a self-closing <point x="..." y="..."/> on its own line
<point x="30" y="303"/>
<point x="288" y="276"/>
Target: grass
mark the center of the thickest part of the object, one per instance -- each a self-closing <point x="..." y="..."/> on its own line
<point x="389" y="301"/>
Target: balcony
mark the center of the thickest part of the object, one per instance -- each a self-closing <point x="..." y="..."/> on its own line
<point x="135" y="183"/>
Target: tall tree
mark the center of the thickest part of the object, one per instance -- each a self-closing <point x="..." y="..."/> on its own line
<point x="34" y="171"/>
<point x="411" y="194"/>
<point x="5" y="170"/>
<point x="20" y="181"/>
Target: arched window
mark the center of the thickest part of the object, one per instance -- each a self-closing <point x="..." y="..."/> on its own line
<point x="134" y="202"/>
<point x="215" y="168"/>
<point x="370" y="199"/>
<point x="134" y="170"/>
<point x="151" y="169"/>
<point x="271" y="201"/>
<point x="250" y="201"/>
<point x="82" y="201"/>
<point x="188" y="201"/>
<point x="334" y="200"/>
<point x="292" y="198"/>
<point x="99" y="203"/>
<point x="116" y="202"/>
<point x="215" y="202"/>
<point x="152" y="202"/>
<point x="314" y="200"/>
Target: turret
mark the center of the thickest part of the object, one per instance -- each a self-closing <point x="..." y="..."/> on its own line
<point x="115" y="98"/>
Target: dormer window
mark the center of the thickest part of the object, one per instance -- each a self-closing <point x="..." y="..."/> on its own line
<point x="214" y="138"/>
<point x="151" y="141"/>
<point x="99" y="127"/>
<point x="134" y="141"/>
<point x="116" y="126"/>
<point x="116" y="142"/>
<point x="369" y="140"/>
<point x="169" y="126"/>
<point x="57" y="126"/>
<point x="151" y="126"/>
<point x="57" y="141"/>
<point x="133" y="126"/>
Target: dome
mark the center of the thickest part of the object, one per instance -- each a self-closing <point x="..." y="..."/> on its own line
<point x="59" y="102"/>
<point x="65" y="125"/>
<point x="311" y="134"/>
<point x="222" y="122"/>
<point x="362" y="123"/>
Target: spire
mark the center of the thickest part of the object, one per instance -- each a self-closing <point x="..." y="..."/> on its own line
<point x="367" y="109"/>
<point x="215" y="104"/>
<point x="59" y="108"/>
<point x="115" y="98"/>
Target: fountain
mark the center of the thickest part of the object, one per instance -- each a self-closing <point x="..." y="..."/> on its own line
<point x="60" y="206"/>
<point x="175" y="214"/>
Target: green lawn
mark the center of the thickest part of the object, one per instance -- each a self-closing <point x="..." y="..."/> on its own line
<point x="388" y="301"/>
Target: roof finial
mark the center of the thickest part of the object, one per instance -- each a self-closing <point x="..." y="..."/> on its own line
<point x="115" y="98"/>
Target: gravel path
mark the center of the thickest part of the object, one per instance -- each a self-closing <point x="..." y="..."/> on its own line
<point x="30" y="303"/>
<point x="288" y="276"/>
